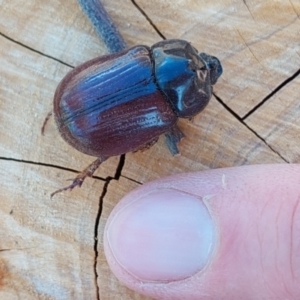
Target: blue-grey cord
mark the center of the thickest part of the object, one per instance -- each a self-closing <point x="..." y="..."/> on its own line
<point x="103" y="24"/>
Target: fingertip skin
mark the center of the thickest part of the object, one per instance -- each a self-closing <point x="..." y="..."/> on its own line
<point x="256" y="214"/>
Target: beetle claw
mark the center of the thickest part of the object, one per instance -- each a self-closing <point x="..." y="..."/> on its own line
<point x="76" y="182"/>
<point x="87" y="172"/>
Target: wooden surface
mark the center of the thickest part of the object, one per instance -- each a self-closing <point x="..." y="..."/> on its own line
<point x="52" y="248"/>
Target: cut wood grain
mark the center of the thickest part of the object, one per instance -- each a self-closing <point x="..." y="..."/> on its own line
<point x="60" y="29"/>
<point x="278" y="121"/>
<point x="46" y="245"/>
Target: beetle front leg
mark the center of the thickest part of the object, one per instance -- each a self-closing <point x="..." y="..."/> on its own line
<point x="173" y="137"/>
<point x="87" y="172"/>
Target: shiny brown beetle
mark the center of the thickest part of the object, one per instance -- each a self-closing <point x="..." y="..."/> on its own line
<point x="123" y="102"/>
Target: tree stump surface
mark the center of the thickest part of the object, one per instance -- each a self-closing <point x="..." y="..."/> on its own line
<point x="53" y="248"/>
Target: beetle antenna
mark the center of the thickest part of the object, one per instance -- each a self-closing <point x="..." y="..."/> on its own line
<point x="104" y="25"/>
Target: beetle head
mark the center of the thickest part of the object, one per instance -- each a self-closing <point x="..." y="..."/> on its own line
<point x="185" y="76"/>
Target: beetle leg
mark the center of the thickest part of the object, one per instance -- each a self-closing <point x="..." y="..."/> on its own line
<point x="46" y="121"/>
<point x="87" y="172"/>
<point x="173" y="137"/>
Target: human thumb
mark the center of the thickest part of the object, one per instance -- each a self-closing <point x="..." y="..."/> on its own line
<point x="221" y="234"/>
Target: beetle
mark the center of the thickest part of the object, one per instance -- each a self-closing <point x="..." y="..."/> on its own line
<point x="123" y="102"/>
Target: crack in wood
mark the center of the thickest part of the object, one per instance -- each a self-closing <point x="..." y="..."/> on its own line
<point x="34" y="50"/>
<point x="47" y="165"/>
<point x="96" y="233"/>
<point x="265" y="142"/>
<point x="148" y="19"/>
<point x="277" y="89"/>
<point x="118" y="174"/>
<point x="133" y="180"/>
<point x="120" y="167"/>
<point x="248" y="9"/>
<point x="248" y="127"/>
